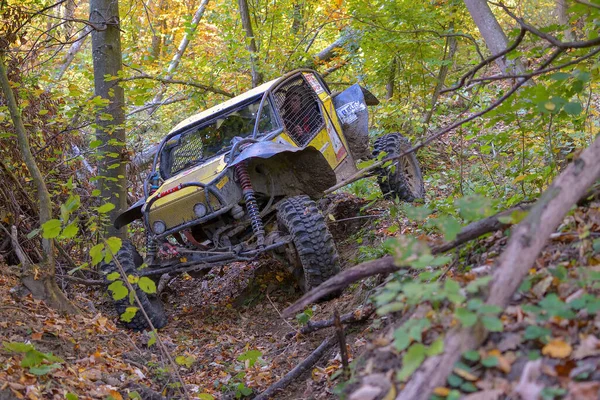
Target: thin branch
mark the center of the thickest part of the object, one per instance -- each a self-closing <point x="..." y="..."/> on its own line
<point x="298" y="370"/>
<point x="179" y="82"/>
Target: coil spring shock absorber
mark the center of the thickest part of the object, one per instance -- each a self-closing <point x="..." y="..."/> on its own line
<point x="241" y="171"/>
<point x="151" y="249"/>
<point x="151" y="245"/>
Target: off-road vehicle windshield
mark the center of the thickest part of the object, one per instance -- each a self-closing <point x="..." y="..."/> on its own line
<point x="214" y="137"/>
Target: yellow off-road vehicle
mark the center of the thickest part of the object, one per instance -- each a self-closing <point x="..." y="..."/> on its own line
<point x="238" y="180"/>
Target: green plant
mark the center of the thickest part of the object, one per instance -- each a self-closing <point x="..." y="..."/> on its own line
<point x="38" y="363"/>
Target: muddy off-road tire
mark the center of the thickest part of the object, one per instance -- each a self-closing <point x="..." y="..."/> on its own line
<point x="313" y="254"/>
<point x="130" y="260"/>
<point x="402" y="179"/>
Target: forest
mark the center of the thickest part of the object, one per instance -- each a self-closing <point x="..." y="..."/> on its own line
<point x="300" y="199"/>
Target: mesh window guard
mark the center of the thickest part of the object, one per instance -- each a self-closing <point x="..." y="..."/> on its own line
<point x="299" y="108"/>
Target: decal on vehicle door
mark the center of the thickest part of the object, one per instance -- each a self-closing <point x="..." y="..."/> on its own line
<point x="314" y="83"/>
<point x="348" y="113"/>
<point x="338" y="146"/>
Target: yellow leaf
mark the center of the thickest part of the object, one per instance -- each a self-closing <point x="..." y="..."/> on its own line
<point x="519" y="178"/>
<point x="465" y="375"/>
<point x="503" y="363"/>
<point x="557" y="348"/>
<point x="441" y="391"/>
<point x="550" y="106"/>
<point x="116" y="395"/>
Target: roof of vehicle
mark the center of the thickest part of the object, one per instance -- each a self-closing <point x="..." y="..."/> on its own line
<point x="190" y="121"/>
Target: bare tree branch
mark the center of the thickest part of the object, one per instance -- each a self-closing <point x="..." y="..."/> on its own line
<point x="207" y="88"/>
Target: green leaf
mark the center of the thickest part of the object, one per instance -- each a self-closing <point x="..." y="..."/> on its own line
<point x="94" y="144"/>
<point x="251" y="356"/>
<point x="147" y="285"/>
<point x="455" y="380"/>
<point x="490" y="362"/>
<point x="437" y="347"/>
<point x="468" y="387"/>
<point x="33" y="233"/>
<point x="401" y="339"/>
<point x="472" y="208"/>
<point x="17" y="347"/>
<point x="477" y="284"/>
<point x="449" y="226"/>
<point x="43" y="369"/>
<point x="411" y="361"/>
<point x="416" y="213"/>
<point x="471" y="355"/>
<point x="152" y="339"/>
<point x="114" y="244"/>
<point x="96" y="253"/>
<point x="119" y="291"/>
<point x="466" y="317"/>
<point x="70" y="230"/>
<point x="113" y="276"/>
<point x="129" y="313"/>
<point x="186" y="361"/>
<point x="492" y="324"/>
<point x="51" y="228"/>
<point x="103" y="209"/>
<point x="560" y="76"/>
<point x="205" y="396"/>
<point x="536" y="332"/>
<point x="71" y="396"/>
<point x="573" y="108"/>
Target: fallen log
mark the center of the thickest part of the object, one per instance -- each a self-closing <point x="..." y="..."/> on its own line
<point x="298" y="369"/>
<point x="385" y="265"/>
<point x="526" y="241"/>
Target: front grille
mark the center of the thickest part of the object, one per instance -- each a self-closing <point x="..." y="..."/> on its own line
<point x="299" y="107"/>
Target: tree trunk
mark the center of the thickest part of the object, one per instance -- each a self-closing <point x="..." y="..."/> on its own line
<point x="106" y="54"/>
<point x="69" y="15"/>
<point x="492" y="33"/>
<point x="39" y="281"/>
<point x="391" y="81"/>
<point x="563" y="18"/>
<point x="157" y="36"/>
<point x="297" y="20"/>
<point x="251" y="43"/>
<point x="451" y="45"/>
<point x="73" y="50"/>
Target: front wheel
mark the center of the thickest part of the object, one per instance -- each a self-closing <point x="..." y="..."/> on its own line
<point x="403" y="178"/>
<point x="130" y="260"/>
<point x="312" y="253"/>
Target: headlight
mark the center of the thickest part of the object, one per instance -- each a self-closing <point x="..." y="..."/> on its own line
<point x="159" y="227"/>
<point x="200" y="210"/>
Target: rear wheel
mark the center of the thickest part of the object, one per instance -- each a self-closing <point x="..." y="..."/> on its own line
<point x="130" y="260"/>
<point x="403" y="178"/>
<point x="312" y="253"/>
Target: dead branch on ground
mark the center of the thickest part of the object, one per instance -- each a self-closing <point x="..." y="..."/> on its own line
<point x="298" y="369"/>
<point x="355" y="316"/>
